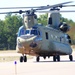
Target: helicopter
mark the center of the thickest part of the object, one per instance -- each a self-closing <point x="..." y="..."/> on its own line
<point x="43" y="41"/>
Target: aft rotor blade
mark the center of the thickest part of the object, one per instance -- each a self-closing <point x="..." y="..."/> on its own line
<point x="68" y="5"/>
<point x="63" y="11"/>
<point x="53" y="6"/>
<point x="44" y="7"/>
<point x="61" y="4"/>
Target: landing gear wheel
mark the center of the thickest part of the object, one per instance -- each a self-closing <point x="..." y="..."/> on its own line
<point x="58" y="57"/>
<point x="54" y="58"/>
<point x="37" y="59"/>
<point x="21" y="59"/>
<point x="71" y="57"/>
<point x="25" y="59"/>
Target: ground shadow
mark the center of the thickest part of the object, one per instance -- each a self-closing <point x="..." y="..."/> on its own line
<point x="55" y="61"/>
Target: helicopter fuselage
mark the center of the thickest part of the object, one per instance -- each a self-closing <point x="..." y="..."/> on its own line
<point x="43" y="41"/>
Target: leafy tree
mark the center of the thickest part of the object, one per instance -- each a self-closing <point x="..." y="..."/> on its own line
<point x="11" y="25"/>
<point x="2" y="37"/>
<point x="43" y="19"/>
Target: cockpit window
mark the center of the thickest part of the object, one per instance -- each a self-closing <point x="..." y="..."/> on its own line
<point x="34" y="32"/>
<point x="21" y="31"/>
<point x="27" y="32"/>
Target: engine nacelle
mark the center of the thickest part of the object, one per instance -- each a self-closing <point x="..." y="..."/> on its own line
<point x="64" y="27"/>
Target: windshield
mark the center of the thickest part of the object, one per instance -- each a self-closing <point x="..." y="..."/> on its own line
<point x="27" y="32"/>
<point x="21" y="31"/>
<point x="34" y="32"/>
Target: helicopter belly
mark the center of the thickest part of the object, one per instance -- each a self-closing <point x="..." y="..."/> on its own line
<point x="54" y="48"/>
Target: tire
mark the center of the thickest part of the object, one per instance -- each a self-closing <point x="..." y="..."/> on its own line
<point x="25" y="59"/>
<point x="71" y="57"/>
<point x="21" y="59"/>
<point x="37" y="59"/>
<point x="58" y="57"/>
<point x="54" y="58"/>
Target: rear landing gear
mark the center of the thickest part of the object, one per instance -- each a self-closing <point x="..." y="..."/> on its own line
<point x="71" y="57"/>
<point x="23" y="58"/>
<point x="56" y="57"/>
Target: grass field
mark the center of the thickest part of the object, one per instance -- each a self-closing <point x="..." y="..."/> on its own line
<point x="9" y="58"/>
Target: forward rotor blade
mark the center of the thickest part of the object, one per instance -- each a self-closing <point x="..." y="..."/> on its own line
<point x="7" y="12"/>
<point x="20" y="12"/>
<point x="17" y="7"/>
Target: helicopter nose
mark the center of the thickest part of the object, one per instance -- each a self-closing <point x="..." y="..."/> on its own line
<point x="26" y="40"/>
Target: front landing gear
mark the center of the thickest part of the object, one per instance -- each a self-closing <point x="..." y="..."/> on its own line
<point x="37" y="58"/>
<point x="23" y="58"/>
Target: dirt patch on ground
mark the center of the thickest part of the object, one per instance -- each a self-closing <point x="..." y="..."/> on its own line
<point x="8" y="58"/>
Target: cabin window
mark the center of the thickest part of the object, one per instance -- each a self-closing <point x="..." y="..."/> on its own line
<point x="50" y="21"/>
<point x="46" y="35"/>
<point x="62" y="39"/>
<point x="27" y="32"/>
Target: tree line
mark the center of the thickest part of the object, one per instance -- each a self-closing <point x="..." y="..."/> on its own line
<point x="8" y="30"/>
<point x="10" y="25"/>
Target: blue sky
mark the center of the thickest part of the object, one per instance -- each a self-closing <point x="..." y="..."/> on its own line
<point x="24" y="3"/>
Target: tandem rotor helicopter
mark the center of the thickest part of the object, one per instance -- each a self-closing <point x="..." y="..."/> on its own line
<point x="43" y="41"/>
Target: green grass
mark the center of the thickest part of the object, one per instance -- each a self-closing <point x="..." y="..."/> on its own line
<point x="8" y="58"/>
<point x="11" y="58"/>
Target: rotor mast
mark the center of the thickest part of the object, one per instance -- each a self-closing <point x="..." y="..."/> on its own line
<point x="54" y="18"/>
<point x="30" y="19"/>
